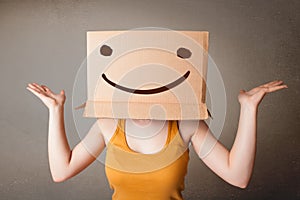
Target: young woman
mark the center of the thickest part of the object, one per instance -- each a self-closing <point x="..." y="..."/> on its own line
<point x="234" y="166"/>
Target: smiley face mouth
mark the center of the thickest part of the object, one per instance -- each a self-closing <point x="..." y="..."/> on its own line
<point x="148" y="91"/>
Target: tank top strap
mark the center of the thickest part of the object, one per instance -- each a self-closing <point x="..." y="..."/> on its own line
<point x="118" y="138"/>
<point x="173" y="129"/>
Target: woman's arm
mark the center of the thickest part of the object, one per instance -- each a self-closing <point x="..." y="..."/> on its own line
<point x="235" y="166"/>
<point x="64" y="162"/>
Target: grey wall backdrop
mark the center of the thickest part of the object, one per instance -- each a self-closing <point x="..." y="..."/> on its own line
<point x="252" y="42"/>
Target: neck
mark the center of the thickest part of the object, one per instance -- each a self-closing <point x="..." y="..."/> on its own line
<point x="144" y="128"/>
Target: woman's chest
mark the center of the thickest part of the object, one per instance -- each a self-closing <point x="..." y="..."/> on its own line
<point x="149" y="139"/>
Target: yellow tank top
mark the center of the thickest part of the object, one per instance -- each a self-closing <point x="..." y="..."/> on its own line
<point x="158" y="176"/>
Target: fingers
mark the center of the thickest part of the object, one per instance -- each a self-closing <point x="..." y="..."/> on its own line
<point x="42" y="89"/>
<point x="266" y="87"/>
<point x="272" y="83"/>
<point x="276" y="83"/>
<point x="34" y="91"/>
<point x="38" y="90"/>
<point x="275" y="88"/>
<point x="33" y="87"/>
<point x="39" y="87"/>
<point x="48" y="91"/>
<point x="46" y="88"/>
<point x="269" y="83"/>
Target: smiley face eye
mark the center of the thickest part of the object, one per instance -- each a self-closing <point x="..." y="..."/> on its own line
<point x="184" y="53"/>
<point x="105" y="50"/>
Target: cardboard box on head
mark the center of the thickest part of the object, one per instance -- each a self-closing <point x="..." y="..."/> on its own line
<point x="147" y="74"/>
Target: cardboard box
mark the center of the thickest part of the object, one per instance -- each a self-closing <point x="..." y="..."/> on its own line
<point x="147" y="74"/>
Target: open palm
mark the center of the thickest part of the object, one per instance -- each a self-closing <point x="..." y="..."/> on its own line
<point x="49" y="98"/>
<point x="254" y="97"/>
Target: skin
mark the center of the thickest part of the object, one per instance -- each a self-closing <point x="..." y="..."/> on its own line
<point x="233" y="166"/>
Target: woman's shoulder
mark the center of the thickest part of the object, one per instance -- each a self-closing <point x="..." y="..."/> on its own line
<point x="187" y="128"/>
<point x="107" y="127"/>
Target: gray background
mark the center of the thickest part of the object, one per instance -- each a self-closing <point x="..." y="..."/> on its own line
<point x="252" y="42"/>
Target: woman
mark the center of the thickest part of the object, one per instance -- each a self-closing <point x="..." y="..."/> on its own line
<point x="234" y="166"/>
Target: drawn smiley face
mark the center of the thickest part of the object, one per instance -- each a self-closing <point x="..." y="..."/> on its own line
<point x="181" y="52"/>
<point x="147" y="74"/>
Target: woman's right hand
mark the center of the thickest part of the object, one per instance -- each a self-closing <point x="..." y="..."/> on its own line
<point x="50" y="99"/>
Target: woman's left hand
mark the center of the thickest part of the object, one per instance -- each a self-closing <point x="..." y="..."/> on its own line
<point x="254" y="97"/>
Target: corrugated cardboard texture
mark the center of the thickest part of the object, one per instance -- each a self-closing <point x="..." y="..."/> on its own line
<point x="163" y="71"/>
